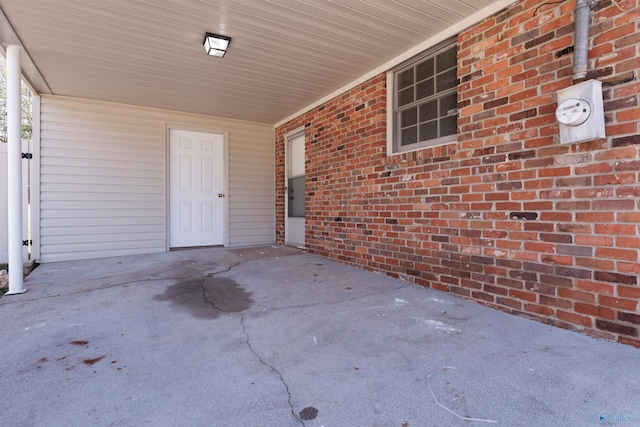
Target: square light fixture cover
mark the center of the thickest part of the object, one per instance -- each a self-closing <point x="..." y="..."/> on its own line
<point x="216" y="45"/>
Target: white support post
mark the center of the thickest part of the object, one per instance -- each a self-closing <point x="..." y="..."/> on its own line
<point x="14" y="171"/>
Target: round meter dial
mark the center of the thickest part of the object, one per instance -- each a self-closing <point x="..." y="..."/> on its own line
<point x="573" y="112"/>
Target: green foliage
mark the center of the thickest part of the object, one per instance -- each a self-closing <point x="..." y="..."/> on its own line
<point x="27" y="115"/>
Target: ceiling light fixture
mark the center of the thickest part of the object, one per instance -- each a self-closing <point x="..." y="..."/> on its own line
<point x="216" y="45"/>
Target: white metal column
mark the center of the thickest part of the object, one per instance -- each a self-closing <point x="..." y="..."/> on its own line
<point x="14" y="171"/>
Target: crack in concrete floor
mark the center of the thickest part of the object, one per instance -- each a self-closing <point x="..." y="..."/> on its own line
<point x="248" y="342"/>
<point x="204" y="289"/>
<point x="207" y="300"/>
<point x="273" y="369"/>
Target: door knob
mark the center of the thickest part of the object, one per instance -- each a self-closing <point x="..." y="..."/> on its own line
<point x="220" y="195"/>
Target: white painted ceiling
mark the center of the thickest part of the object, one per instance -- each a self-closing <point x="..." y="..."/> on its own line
<point x="285" y="54"/>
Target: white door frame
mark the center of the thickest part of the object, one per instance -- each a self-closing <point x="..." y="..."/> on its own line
<point x="34" y="197"/>
<point x="225" y="177"/>
<point x="287" y="137"/>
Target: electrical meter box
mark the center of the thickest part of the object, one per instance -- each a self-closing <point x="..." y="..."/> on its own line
<point x="580" y="112"/>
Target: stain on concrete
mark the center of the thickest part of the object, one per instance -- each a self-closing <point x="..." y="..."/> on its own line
<point x="226" y="295"/>
<point x="207" y="298"/>
<point x="90" y="362"/>
<point x="266" y="252"/>
<point x="309" y="413"/>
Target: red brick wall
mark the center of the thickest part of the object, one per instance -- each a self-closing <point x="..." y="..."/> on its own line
<point x="506" y="216"/>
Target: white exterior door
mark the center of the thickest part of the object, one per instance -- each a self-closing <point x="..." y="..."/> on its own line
<point x="197" y="189"/>
<point x="296" y="192"/>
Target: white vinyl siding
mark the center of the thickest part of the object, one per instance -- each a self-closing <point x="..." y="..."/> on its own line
<point x="103" y="174"/>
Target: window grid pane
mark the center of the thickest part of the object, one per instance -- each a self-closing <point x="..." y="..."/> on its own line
<point x="425" y="89"/>
<point x="409" y="136"/>
<point x="424" y="70"/>
<point x="405" y="79"/>
<point x="446" y="60"/>
<point x="446" y="80"/>
<point x="426" y="98"/>
<point x="448" y="126"/>
<point x="405" y="97"/>
<point x="448" y="103"/>
<point x="409" y="117"/>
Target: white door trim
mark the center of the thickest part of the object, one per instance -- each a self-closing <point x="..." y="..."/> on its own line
<point x="287" y="137"/>
<point x="225" y="175"/>
<point x="35" y="177"/>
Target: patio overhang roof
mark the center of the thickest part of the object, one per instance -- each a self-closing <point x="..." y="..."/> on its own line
<point x="285" y="54"/>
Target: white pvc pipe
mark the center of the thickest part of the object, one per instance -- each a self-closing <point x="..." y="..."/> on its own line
<point x="14" y="171"/>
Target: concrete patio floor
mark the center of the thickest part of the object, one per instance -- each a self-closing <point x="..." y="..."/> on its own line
<point x="273" y="336"/>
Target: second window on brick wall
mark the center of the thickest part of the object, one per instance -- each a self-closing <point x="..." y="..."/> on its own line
<point x="425" y="99"/>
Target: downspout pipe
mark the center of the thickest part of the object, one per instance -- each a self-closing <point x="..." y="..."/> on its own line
<point x="581" y="39"/>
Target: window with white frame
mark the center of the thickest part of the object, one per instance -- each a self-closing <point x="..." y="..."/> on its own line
<point x="425" y="99"/>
